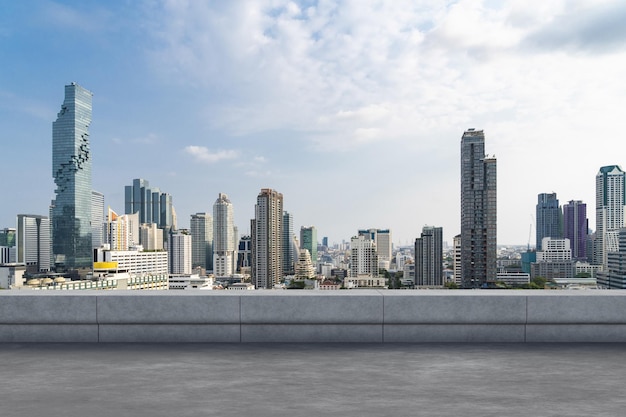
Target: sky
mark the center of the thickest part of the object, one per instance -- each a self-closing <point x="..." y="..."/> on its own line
<point x="353" y="110"/>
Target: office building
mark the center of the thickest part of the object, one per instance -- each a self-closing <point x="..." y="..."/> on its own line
<point x="478" y="211"/>
<point x="32" y="241"/>
<point x="97" y="219"/>
<point x="267" y="242"/>
<point x="135" y="261"/>
<point x="152" y="205"/>
<point x="363" y="257"/>
<point x="382" y="240"/>
<point x="614" y="277"/>
<point x="289" y="254"/>
<point x="575" y="228"/>
<point x="224" y="237"/>
<point x="308" y="241"/>
<point x="304" y="267"/>
<point x="8" y="252"/>
<point x="121" y="232"/>
<point x="150" y="237"/>
<point x="548" y="218"/>
<point x="201" y="228"/>
<point x="71" y="170"/>
<point x="7" y="237"/>
<point x="610" y="201"/>
<point x="244" y="254"/>
<point x="554" y="261"/>
<point x="179" y="251"/>
<point x="429" y="257"/>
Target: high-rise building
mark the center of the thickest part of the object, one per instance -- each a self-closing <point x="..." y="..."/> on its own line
<point x="363" y="257"/>
<point x="382" y="239"/>
<point x="201" y="227"/>
<point x="575" y="228"/>
<point x="614" y="276"/>
<point x="267" y="242"/>
<point x="457" y="259"/>
<point x="548" y="218"/>
<point x="152" y="205"/>
<point x="429" y="257"/>
<point x="179" y="251"/>
<point x="71" y="169"/>
<point x="121" y="232"/>
<point x="478" y="211"/>
<point x="224" y="237"/>
<point x="150" y="237"/>
<point x="308" y="241"/>
<point x="97" y="219"/>
<point x="32" y="241"/>
<point x="288" y="250"/>
<point x="244" y="254"/>
<point x="303" y="267"/>
<point x="610" y="202"/>
<point x="7" y="237"/>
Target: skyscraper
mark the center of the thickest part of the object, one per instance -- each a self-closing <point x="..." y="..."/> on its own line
<point x="267" y="242"/>
<point x="610" y="202"/>
<point x="429" y="257"/>
<point x="33" y="242"/>
<point x="363" y="257"/>
<point x="121" y="232"/>
<point x="382" y="239"/>
<point x="548" y="218"/>
<point x="224" y="241"/>
<point x="575" y="227"/>
<point x="152" y="205"/>
<point x="289" y="254"/>
<point x="308" y="240"/>
<point x="478" y="211"/>
<point x="179" y="252"/>
<point x="71" y="169"/>
<point x="201" y="226"/>
<point x="97" y="219"/>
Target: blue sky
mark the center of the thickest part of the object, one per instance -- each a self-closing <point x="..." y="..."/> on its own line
<point x="354" y="110"/>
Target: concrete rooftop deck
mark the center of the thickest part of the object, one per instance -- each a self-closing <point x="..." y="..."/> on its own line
<point x="312" y="380"/>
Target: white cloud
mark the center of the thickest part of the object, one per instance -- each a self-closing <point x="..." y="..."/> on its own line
<point x="203" y="154"/>
<point x="348" y="75"/>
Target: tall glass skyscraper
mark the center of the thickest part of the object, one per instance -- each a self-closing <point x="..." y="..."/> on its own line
<point x="549" y="218"/>
<point x="71" y="170"/>
<point x="478" y="211"/>
<point x="575" y="227"/>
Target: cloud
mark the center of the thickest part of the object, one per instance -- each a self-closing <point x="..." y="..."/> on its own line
<point x="346" y="75"/>
<point x="203" y="154"/>
<point x="595" y="28"/>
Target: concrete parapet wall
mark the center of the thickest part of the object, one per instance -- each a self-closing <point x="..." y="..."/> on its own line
<point x="366" y="316"/>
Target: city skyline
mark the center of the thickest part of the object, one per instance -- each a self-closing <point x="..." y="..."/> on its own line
<point x="241" y="96"/>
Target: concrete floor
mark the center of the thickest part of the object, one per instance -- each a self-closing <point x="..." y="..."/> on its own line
<point x="312" y="380"/>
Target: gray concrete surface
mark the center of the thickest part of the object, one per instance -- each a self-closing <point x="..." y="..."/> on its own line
<point x="181" y="380"/>
<point x="435" y="316"/>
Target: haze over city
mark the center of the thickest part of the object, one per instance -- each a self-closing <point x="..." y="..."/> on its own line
<point x="353" y="110"/>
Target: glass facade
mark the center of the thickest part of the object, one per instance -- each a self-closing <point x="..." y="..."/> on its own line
<point x="478" y="211"/>
<point x="71" y="170"/>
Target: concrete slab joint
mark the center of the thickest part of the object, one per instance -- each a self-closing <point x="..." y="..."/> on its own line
<point x="309" y="316"/>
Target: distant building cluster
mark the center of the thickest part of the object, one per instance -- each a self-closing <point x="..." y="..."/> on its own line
<point x="80" y="245"/>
